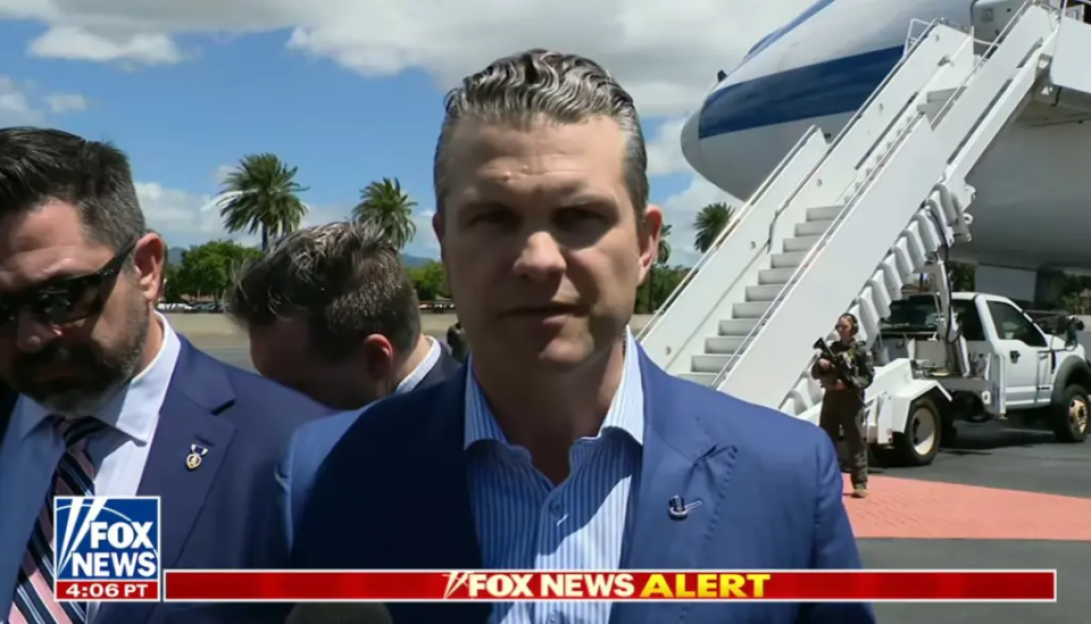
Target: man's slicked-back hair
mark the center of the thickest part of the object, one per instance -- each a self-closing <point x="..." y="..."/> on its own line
<point x="38" y="165"/>
<point x="564" y="88"/>
<point x="346" y="279"/>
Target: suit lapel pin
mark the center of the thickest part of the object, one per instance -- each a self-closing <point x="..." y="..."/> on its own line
<point x="678" y="509"/>
<point x="196" y="454"/>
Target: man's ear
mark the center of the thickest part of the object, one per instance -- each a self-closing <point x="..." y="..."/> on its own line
<point x="379" y="357"/>
<point x="149" y="261"/>
<point x="651" y="229"/>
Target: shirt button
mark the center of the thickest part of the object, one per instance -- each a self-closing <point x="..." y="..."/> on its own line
<point x="556" y="508"/>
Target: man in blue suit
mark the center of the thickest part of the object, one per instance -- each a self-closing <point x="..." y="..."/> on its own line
<point x="99" y="396"/>
<point x="564" y="446"/>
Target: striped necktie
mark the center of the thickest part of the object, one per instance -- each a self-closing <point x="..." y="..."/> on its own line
<point x="34" y="602"/>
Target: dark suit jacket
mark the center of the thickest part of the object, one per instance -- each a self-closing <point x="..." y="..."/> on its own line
<point x="770" y="486"/>
<point x="312" y="443"/>
<point x="222" y="515"/>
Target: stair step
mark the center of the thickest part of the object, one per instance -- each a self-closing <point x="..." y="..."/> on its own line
<point x="710" y="363"/>
<point x="765" y="292"/>
<point x="940" y="95"/>
<point x="750" y="309"/>
<point x="823" y="213"/>
<point x="801" y="243"/>
<point x="705" y="379"/>
<point x="788" y="260"/>
<point x="775" y="276"/>
<point x="737" y="327"/>
<point x="723" y="345"/>
<point x="813" y="228"/>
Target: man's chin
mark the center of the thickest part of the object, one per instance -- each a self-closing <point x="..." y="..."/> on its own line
<point x="561" y="355"/>
<point x="68" y="401"/>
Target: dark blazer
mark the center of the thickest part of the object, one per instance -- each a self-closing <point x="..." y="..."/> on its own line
<point x="222" y="515"/>
<point x="312" y="443"/>
<point x="770" y="486"/>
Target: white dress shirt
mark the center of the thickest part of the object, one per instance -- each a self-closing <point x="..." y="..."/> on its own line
<point x="413" y="379"/>
<point x="524" y="522"/>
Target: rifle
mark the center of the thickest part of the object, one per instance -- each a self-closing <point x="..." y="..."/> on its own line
<point x="841" y="369"/>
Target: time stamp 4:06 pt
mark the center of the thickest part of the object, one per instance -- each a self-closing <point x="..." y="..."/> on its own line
<point x="91" y="591"/>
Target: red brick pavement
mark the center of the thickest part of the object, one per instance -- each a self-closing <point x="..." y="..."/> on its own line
<point x="912" y="509"/>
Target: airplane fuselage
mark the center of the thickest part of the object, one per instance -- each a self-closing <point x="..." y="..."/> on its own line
<point x="1033" y="185"/>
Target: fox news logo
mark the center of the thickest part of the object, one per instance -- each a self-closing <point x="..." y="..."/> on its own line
<point x="100" y="538"/>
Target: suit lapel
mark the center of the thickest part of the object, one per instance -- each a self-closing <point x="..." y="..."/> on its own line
<point x="198" y="391"/>
<point x="445" y="539"/>
<point x="444" y="368"/>
<point x="679" y="460"/>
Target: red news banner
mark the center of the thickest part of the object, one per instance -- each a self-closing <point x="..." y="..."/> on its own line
<point x="507" y="586"/>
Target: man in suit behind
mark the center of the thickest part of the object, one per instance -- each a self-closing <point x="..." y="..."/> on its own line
<point x="103" y="391"/>
<point x="563" y="445"/>
<point x="331" y="312"/>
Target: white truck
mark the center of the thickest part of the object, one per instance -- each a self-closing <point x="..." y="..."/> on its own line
<point x="971" y="357"/>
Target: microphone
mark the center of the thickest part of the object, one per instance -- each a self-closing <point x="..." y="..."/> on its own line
<point x="339" y="613"/>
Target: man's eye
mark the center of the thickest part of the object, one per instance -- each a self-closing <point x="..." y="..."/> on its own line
<point x="496" y="216"/>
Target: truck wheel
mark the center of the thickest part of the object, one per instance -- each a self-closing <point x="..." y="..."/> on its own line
<point x="1071" y="415"/>
<point x="920" y="442"/>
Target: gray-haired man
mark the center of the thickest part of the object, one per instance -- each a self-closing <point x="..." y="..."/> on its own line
<point x="331" y="312"/>
<point x="564" y="447"/>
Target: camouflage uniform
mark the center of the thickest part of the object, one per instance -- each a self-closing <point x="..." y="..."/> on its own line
<point x="843" y="410"/>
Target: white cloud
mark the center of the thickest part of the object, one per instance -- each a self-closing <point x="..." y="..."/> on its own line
<point x="220" y="175"/>
<point x="681" y="211"/>
<point x="666" y="53"/>
<point x="19" y="104"/>
<point x="424" y="244"/>
<point x="665" y="149"/>
<point x="16" y="108"/>
<point x="184" y="219"/>
<point x="71" y="42"/>
<point x="61" y="103"/>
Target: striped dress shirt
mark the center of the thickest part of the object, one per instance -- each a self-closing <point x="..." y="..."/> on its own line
<point x="524" y="522"/>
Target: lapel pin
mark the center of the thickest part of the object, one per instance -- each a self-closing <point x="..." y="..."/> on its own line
<point x="678" y="509"/>
<point x="196" y="453"/>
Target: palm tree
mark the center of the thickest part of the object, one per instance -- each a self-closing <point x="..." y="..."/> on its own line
<point x="710" y="223"/>
<point x="662" y="255"/>
<point x="664" y="252"/>
<point x="386" y="206"/>
<point x="261" y="194"/>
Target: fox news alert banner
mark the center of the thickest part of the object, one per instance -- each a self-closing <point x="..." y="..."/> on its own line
<point x="508" y="586"/>
<point x="106" y="548"/>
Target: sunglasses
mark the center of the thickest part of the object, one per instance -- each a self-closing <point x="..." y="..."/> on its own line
<point x="65" y="301"/>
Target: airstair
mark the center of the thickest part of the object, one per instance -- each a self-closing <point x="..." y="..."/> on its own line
<point x="842" y="226"/>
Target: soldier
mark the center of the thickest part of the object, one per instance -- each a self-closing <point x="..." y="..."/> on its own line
<point x="843" y="406"/>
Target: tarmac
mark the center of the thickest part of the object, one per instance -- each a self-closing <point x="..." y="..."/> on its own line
<point x="1001" y="498"/>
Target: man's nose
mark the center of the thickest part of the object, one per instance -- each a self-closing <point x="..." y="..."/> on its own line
<point x="541" y="258"/>
<point x="31" y="334"/>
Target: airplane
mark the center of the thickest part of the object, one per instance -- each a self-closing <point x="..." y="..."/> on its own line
<point x="1032" y="211"/>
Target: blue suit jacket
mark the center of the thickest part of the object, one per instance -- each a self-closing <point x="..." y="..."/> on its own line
<point x="223" y="514"/>
<point x="312" y="444"/>
<point x="393" y="493"/>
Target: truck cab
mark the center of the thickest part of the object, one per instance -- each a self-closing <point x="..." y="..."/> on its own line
<point x="1011" y="369"/>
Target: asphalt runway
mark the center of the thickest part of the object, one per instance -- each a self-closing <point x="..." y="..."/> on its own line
<point x="965" y="512"/>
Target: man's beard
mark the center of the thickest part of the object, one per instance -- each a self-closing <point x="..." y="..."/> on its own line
<point x="100" y="370"/>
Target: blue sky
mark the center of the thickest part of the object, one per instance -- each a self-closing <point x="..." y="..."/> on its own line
<point x="186" y="98"/>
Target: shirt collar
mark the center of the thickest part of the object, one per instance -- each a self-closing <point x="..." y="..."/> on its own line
<point x="413" y="379"/>
<point x="626" y="413"/>
<point x="134" y="409"/>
